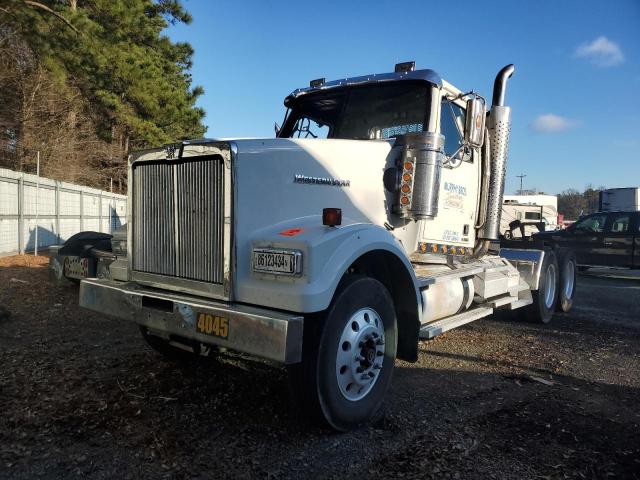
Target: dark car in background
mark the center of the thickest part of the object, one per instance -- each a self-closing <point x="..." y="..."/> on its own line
<point x="610" y="239"/>
<point x="89" y="255"/>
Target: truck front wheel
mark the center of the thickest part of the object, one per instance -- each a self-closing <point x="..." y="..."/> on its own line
<point x="348" y="356"/>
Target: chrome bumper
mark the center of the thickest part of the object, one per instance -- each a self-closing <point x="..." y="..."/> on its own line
<point x="264" y="333"/>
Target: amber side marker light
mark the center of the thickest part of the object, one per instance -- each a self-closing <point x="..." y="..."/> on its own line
<point x="332" y="216"/>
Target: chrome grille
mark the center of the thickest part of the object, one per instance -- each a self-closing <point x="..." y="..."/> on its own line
<point x="178" y="219"/>
<point x="153" y="225"/>
<point x="200" y="221"/>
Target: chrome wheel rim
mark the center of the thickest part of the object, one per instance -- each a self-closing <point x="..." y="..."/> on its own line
<point x="360" y="354"/>
<point x="569" y="278"/>
<point x="550" y="286"/>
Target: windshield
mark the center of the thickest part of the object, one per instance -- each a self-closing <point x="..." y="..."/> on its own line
<point x="365" y="112"/>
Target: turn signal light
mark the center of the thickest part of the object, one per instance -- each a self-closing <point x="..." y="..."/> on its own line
<point x="332" y="216"/>
<point x="443" y="249"/>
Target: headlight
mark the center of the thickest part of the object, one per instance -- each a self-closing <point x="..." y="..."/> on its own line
<point x="277" y="261"/>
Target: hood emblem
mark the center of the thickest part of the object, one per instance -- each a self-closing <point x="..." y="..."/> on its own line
<point x="172" y="150"/>
<point x="321" y="181"/>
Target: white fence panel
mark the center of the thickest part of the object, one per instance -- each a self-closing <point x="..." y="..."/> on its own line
<point x="91" y="205"/>
<point x="8" y="198"/>
<point x="56" y="210"/>
<point x="45" y="198"/>
<point x="68" y="227"/>
<point x="9" y="235"/>
<point x="70" y="203"/>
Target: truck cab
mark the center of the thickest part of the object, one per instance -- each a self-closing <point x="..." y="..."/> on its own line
<point x="335" y="247"/>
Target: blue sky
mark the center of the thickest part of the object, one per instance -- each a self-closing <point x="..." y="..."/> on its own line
<point x="575" y="94"/>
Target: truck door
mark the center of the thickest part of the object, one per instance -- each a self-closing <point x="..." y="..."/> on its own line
<point x="618" y="240"/>
<point x="587" y="238"/>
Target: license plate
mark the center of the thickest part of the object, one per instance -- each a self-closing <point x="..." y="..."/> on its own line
<point x="276" y="261"/>
<point x="75" y="267"/>
<point x="213" y="325"/>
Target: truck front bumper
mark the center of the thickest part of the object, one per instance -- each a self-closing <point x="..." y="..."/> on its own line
<point x="264" y="333"/>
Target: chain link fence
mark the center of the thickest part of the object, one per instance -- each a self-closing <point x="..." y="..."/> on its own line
<point x="35" y="207"/>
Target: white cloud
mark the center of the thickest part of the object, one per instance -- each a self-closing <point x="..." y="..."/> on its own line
<point x="601" y="52"/>
<point x="550" y="123"/>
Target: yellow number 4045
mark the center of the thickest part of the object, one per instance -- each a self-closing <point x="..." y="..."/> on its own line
<point x="213" y="325"/>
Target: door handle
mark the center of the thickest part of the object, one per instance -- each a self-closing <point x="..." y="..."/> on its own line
<point x="608" y="244"/>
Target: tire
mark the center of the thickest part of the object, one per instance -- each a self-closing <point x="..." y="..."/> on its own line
<point x="168" y="351"/>
<point x="567" y="287"/>
<point x="355" y="338"/>
<point x="546" y="297"/>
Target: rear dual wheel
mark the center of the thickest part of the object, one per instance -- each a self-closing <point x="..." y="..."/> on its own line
<point x="567" y="268"/>
<point x="546" y="297"/>
<point x="556" y="288"/>
<point x="348" y="356"/>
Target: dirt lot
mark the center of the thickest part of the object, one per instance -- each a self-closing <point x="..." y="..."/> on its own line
<point x="81" y="395"/>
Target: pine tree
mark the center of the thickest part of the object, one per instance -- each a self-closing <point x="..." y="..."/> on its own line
<point x="134" y="83"/>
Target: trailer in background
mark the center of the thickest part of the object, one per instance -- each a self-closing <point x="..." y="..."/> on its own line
<point x="531" y="211"/>
<point x="522" y="219"/>
<point x="619" y="199"/>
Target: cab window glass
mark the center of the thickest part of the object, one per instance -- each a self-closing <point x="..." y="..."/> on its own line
<point x="308" y="128"/>
<point x="619" y="223"/>
<point x="451" y="126"/>
<point x="593" y="224"/>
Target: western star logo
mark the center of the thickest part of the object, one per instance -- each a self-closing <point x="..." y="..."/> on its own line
<point x="455" y="188"/>
<point x="321" y="181"/>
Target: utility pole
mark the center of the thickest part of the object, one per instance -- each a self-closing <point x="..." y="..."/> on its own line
<point x="521" y="176"/>
<point x="35" y="251"/>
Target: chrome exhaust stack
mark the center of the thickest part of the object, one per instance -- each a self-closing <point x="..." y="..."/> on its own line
<point x="499" y="128"/>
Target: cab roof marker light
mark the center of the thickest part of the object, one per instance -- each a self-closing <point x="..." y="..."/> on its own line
<point x="405" y="67"/>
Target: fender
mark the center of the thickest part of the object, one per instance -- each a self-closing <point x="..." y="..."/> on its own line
<point x="327" y="253"/>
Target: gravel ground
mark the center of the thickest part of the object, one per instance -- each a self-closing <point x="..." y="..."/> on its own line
<point x="81" y="395"/>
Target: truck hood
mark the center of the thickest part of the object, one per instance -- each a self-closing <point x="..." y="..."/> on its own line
<point x="283" y="185"/>
<point x="280" y="179"/>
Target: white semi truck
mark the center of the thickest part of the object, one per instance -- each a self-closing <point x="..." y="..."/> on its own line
<point x="363" y="227"/>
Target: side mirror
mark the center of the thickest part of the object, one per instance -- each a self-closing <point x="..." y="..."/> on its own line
<point x="474" y="125"/>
